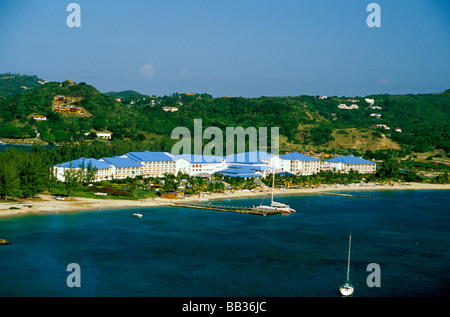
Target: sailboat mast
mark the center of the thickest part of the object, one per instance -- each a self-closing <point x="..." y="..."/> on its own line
<point x="348" y="262"/>
<point x="273" y="184"/>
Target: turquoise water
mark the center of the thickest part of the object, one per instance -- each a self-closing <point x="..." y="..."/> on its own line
<point x="25" y="147"/>
<point x="188" y="252"/>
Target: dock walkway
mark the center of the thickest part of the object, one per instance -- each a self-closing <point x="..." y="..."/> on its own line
<point x="348" y="195"/>
<point x="238" y="209"/>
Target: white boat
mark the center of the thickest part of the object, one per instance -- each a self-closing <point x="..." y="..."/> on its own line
<point x="285" y="209"/>
<point x="274" y="205"/>
<point x="137" y="215"/>
<point x="347" y="289"/>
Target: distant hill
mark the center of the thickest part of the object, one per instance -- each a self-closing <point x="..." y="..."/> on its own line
<point x="63" y="126"/>
<point x="402" y="123"/>
<point x="125" y="94"/>
<point x="12" y="84"/>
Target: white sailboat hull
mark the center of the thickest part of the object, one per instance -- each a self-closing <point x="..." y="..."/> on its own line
<point x="346" y="289"/>
<point x="274" y="205"/>
<point x="284" y="210"/>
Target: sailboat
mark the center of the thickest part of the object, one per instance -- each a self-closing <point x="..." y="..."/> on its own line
<point x="347" y="289"/>
<point x="274" y="205"/>
<point x="137" y="214"/>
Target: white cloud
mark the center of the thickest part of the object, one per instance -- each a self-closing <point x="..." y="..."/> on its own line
<point x="147" y="71"/>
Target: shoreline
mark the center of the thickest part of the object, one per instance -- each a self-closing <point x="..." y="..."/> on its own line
<point x="47" y="204"/>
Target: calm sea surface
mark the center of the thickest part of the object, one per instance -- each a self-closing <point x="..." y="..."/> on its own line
<point x="187" y="252"/>
<point x="24" y="147"/>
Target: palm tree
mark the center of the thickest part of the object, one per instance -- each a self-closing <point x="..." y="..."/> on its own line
<point x="199" y="185"/>
<point x="315" y="180"/>
<point x="220" y="187"/>
<point x="307" y="181"/>
<point x="389" y="169"/>
<point x="237" y="183"/>
<point x="181" y="175"/>
<point x="170" y="186"/>
<point x="210" y="187"/>
<point x="249" y="184"/>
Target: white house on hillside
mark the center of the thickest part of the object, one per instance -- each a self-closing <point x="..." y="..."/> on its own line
<point x="344" y="106"/>
<point x="104" y="135"/>
<point x="171" y="109"/>
<point x="38" y="117"/>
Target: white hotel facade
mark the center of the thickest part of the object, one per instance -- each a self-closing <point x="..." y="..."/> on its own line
<point x="157" y="164"/>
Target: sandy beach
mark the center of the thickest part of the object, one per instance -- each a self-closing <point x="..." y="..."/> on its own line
<point x="47" y="204"/>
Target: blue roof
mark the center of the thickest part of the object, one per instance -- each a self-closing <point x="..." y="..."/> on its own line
<point x="147" y="156"/>
<point x="84" y="163"/>
<point x="256" y="166"/>
<point x="349" y="160"/>
<point x="122" y="161"/>
<point x="286" y="173"/>
<point x="235" y="169"/>
<point x="242" y="171"/>
<point x="295" y="156"/>
<point x="196" y="158"/>
<point x="249" y="157"/>
<point x="243" y="175"/>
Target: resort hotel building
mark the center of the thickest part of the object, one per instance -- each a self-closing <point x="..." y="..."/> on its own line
<point x="104" y="170"/>
<point x="244" y="165"/>
<point x="155" y="164"/>
<point x="123" y="167"/>
<point x="299" y="164"/>
<point x="346" y="163"/>
<point x="199" y="165"/>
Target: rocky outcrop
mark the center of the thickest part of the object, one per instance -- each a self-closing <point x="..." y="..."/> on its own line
<point x="3" y="242"/>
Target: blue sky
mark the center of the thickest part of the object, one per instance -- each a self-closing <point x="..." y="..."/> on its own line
<point x="248" y="48"/>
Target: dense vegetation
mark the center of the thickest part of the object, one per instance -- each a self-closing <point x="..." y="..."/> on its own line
<point x="26" y="173"/>
<point x="303" y="120"/>
<point x="138" y="122"/>
<point x="12" y="84"/>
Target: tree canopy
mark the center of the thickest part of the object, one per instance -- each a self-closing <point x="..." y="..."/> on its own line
<point x="308" y="120"/>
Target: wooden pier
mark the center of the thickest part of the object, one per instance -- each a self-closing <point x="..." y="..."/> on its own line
<point x="238" y="209"/>
<point x="348" y="195"/>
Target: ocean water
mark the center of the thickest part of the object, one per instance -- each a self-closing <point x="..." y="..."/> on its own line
<point x="24" y="147"/>
<point x="190" y="253"/>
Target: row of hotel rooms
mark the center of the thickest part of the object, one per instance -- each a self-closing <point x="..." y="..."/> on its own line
<point x="244" y="165"/>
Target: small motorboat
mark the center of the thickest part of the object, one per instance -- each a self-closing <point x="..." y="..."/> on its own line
<point x="137" y="215"/>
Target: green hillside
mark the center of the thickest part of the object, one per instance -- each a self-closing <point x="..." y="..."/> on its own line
<point x="306" y="122"/>
<point x="12" y="84"/>
<point x="125" y="94"/>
